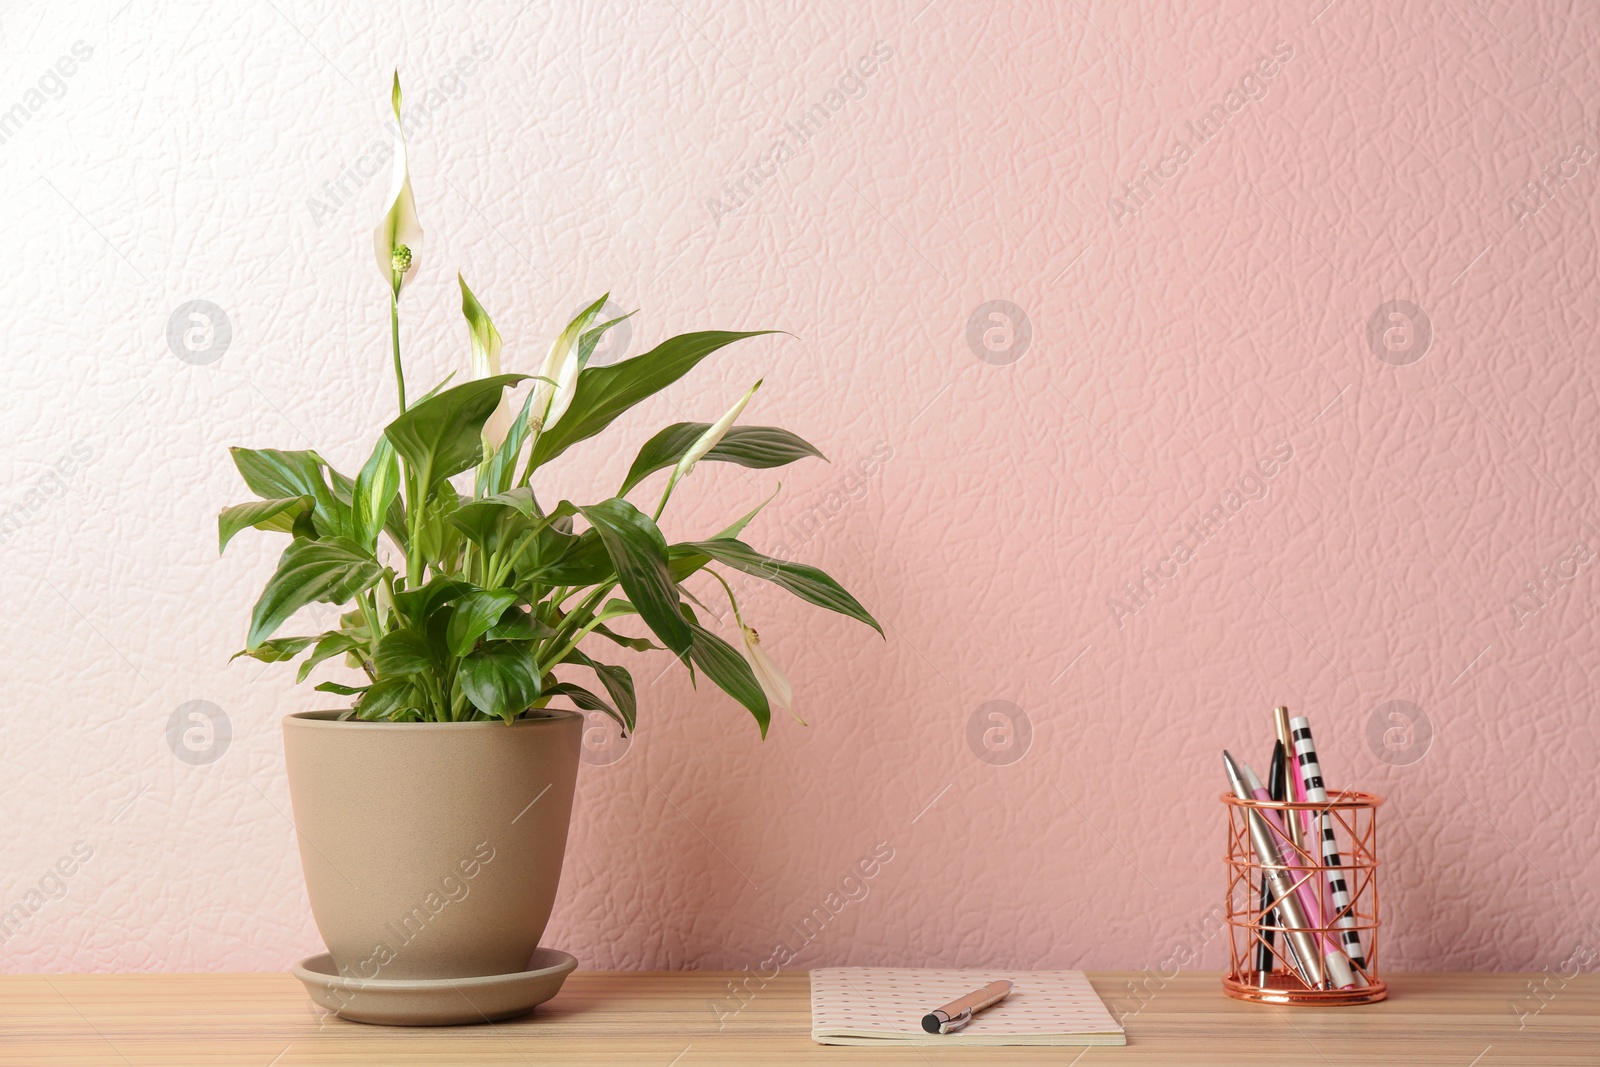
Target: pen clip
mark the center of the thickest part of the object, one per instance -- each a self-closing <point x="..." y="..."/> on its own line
<point x="956" y="1022"/>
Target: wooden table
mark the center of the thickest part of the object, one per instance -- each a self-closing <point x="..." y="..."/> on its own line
<point x="667" y="1020"/>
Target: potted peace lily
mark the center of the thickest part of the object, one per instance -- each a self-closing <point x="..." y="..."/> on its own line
<point x="432" y="811"/>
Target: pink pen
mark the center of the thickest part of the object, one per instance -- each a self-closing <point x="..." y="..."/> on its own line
<point x="1302" y="824"/>
<point x="1306" y="890"/>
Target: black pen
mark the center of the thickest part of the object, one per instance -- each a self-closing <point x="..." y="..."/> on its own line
<point x="1265" y="957"/>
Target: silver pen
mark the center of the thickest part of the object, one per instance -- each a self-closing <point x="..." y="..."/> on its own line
<point x="1284" y="898"/>
<point x="958" y="1013"/>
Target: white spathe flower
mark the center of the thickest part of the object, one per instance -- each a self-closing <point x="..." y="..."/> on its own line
<point x="713" y="435"/>
<point x="396" y="239"/>
<point x="385" y="601"/>
<point x="779" y="692"/>
<point x="485" y="361"/>
<point x="552" y="397"/>
<point x="566" y="385"/>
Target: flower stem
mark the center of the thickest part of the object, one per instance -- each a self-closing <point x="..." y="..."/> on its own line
<point x="533" y="443"/>
<point x="671" y="482"/>
<point x="729" y="590"/>
<point x="415" y="564"/>
<point x="394" y="336"/>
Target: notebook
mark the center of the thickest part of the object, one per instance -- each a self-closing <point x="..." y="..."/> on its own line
<point x="885" y="1005"/>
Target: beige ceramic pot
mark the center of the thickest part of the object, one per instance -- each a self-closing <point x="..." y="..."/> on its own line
<point x="432" y="850"/>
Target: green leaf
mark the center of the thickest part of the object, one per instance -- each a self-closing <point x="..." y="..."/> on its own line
<point x="614" y="608"/>
<point x="387" y="698"/>
<point x="443" y="435"/>
<point x="592" y="337"/>
<point x="474" y="614"/>
<point x="491" y="521"/>
<point x="341" y="688"/>
<point x="757" y="447"/>
<point x="376" y="488"/>
<point x="276" y="650"/>
<point x="527" y="544"/>
<point x="277" y="514"/>
<point x="518" y="625"/>
<point x="333" y="571"/>
<point x="519" y="500"/>
<point x="501" y="679"/>
<point x="418" y="605"/>
<point x="436" y="390"/>
<point x="639" y="554"/>
<point x="603" y="393"/>
<point x="343" y="488"/>
<point x="561" y="517"/>
<point x="436" y="629"/>
<point x="271" y="472"/>
<point x="275" y="474"/>
<point x="618" y="683"/>
<point x="804" y="581"/>
<point x="739" y="524"/>
<point x="402" y="652"/>
<point x="584" y="561"/>
<point x="585" y="700"/>
<point x="725" y="666"/>
<point x="331" y="644"/>
<point x="638" y="644"/>
<point x="441" y="538"/>
<point x="682" y="560"/>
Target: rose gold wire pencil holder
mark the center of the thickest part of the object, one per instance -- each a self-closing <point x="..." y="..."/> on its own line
<point x="1352" y="925"/>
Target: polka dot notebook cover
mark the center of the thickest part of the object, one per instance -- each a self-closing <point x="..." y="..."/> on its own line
<point x="879" y="1005"/>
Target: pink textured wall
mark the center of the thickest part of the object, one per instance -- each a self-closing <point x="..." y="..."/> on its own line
<point x="1198" y="340"/>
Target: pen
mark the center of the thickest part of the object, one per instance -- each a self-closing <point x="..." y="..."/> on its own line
<point x="959" y="1012"/>
<point x="1283" y="888"/>
<point x="1293" y="791"/>
<point x="1317" y="792"/>
<point x="1310" y="899"/>
<point x="1264" y="952"/>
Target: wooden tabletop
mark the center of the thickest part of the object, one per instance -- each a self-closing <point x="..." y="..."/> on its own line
<point x="668" y="1020"/>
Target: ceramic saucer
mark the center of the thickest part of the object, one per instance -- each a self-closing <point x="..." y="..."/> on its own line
<point x="435" y="1001"/>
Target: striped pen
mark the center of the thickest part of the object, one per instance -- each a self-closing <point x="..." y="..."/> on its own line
<point x="1310" y="772"/>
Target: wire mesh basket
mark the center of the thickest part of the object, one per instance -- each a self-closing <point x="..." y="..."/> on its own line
<point x="1329" y="851"/>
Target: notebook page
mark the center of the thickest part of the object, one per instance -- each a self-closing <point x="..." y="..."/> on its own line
<point x="867" y="1005"/>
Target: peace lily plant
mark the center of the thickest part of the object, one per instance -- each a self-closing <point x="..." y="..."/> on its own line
<point x="468" y="597"/>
